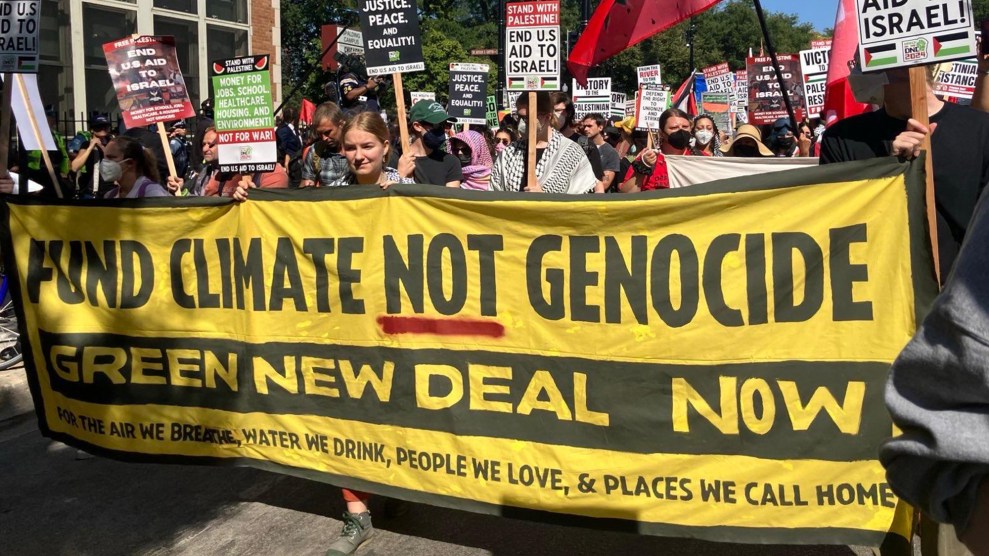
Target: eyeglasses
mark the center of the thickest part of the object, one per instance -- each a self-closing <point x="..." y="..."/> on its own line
<point x="212" y="144"/>
<point x="504" y="141"/>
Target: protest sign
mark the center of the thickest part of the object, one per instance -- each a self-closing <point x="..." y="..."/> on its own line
<point x="718" y="107"/>
<point x="913" y="32"/>
<point x="243" y="114"/>
<point x="148" y="81"/>
<point x="820" y="44"/>
<point x="742" y="89"/>
<point x="416" y="96"/>
<point x="650" y="75"/>
<point x="511" y="98"/>
<point x="492" y="112"/>
<point x="482" y="354"/>
<point x="719" y="78"/>
<point x="27" y="107"/>
<point x="350" y="43"/>
<point x="20" y="31"/>
<point x="618" y="101"/>
<point x="532" y="45"/>
<point x="594" y="98"/>
<point x="956" y="79"/>
<point x="392" y="43"/>
<point x="468" y="93"/>
<point x="765" y="95"/>
<point x="814" y="67"/>
<point x="652" y="103"/>
<point x="630" y="105"/>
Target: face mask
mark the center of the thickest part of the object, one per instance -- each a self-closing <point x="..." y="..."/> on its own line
<point x="746" y="151"/>
<point x="464" y="159"/>
<point x="110" y="170"/>
<point x="704" y="136"/>
<point x="868" y="88"/>
<point x="679" y="139"/>
<point x="786" y="144"/>
<point x="500" y="147"/>
<point x="434" y="139"/>
<point x="524" y="128"/>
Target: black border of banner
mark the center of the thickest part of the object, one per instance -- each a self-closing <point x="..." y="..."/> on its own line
<point x="924" y="292"/>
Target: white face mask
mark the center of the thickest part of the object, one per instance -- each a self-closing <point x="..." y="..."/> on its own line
<point x="524" y="128"/>
<point x="869" y="88"/>
<point x="110" y="170"/>
<point x="704" y="136"/>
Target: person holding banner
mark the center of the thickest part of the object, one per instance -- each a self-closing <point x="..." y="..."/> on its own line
<point x="648" y="171"/>
<point x="959" y="146"/>
<point x="561" y="165"/>
<point x="133" y="168"/>
<point x="210" y="182"/>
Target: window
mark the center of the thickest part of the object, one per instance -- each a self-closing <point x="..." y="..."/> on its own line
<point x="223" y="42"/>
<point x="186" y="48"/>
<point x="187" y="6"/>
<point x="101" y="25"/>
<point x="227" y="10"/>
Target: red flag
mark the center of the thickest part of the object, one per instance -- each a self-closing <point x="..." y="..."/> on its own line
<point x="619" y="24"/>
<point x="839" y="103"/>
<point x="306" y="112"/>
<point x="684" y="98"/>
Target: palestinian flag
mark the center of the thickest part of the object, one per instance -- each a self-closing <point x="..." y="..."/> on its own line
<point x="881" y="55"/>
<point x="953" y="44"/>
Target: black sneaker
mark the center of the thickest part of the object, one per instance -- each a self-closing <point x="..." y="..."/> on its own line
<point x="357" y="529"/>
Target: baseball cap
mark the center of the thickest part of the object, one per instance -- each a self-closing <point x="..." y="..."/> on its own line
<point x="179" y="125"/>
<point x="99" y="121"/>
<point x="429" y="111"/>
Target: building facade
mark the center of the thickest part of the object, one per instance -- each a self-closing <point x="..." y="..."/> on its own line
<point x="73" y="74"/>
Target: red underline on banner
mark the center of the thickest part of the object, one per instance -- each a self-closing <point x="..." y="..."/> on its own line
<point x="440" y="327"/>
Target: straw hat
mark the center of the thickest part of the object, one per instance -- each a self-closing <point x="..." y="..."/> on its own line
<point x="752" y="132"/>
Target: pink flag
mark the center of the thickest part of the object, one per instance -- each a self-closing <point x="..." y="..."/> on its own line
<point x="619" y="24"/>
<point x="839" y="103"/>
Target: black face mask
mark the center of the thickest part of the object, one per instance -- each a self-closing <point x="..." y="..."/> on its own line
<point x="786" y="144"/>
<point x="434" y="138"/>
<point x="464" y="157"/>
<point x="746" y="151"/>
<point x="680" y="139"/>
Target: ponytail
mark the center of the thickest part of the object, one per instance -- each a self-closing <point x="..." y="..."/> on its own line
<point x="147" y="164"/>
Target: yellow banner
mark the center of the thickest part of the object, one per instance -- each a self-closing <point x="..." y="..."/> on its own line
<point x="707" y="362"/>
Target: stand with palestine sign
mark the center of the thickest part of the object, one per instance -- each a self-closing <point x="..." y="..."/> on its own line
<point x="902" y="33"/>
<point x="532" y="46"/>
<point x="244" y="119"/>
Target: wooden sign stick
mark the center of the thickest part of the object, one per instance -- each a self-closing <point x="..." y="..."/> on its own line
<point x="37" y="136"/>
<point x="532" y="117"/>
<point x="168" y="150"/>
<point x="918" y="100"/>
<point x="403" y="124"/>
<point x="5" y="116"/>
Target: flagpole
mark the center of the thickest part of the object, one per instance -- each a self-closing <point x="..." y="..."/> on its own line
<point x="776" y="64"/>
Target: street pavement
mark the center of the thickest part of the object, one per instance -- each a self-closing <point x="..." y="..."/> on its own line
<point x="52" y="503"/>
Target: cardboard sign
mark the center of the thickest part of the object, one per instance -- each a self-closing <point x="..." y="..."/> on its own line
<point x="19" y="105"/>
<point x="243" y="114"/>
<point x="351" y="42"/>
<point x="956" y="79"/>
<point x="594" y="98"/>
<point x="392" y="43"/>
<point x="492" y="112"/>
<point x="148" y="81"/>
<point x="742" y="90"/>
<point x="719" y="78"/>
<point x="814" y="67"/>
<point x="652" y="104"/>
<point x="19" y="35"/>
<point x="511" y="97"/>
<point x="903" y="33"/>
<point x="765" y="95"/>
<point x="468" y="93"/>
<point x="416" y="96"/>
<point x="532" y="46"/>
<point x="618" y="101"/>
<point x="630" y="106"/>
<point x="650" y="75"/>
<point x="718" y="107"/>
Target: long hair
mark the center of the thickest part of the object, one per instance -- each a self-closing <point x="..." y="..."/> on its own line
<point x="372" y="123"/>
<point x="147" y="164"/>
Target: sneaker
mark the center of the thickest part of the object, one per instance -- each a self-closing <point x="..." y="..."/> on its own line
<point x="356" y="530"/>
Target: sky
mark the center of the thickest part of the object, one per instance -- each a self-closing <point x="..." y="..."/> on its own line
<point x="819" y="13"/>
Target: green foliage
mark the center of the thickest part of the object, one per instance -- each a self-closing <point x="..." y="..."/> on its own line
<point x="451" y="28"/>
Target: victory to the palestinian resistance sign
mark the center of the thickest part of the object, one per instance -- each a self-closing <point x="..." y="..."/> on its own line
<point x="681" y="362"/>
<point x="244" y="114"/>
<point x="149" y="84"/>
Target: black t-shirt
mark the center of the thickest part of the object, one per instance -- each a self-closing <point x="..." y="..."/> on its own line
<point x="438" y="168"/>
<point x="960" y="159"/>
<point x="591" y="150"/>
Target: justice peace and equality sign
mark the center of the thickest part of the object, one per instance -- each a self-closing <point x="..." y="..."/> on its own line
<point x="390" y="29"/>
<point x="403" y="342"/>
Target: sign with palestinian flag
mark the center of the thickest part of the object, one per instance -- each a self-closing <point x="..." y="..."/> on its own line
<point x="244" y="114"/>
<point x="914" y="32"/>
<point x="956" y="79"/>
<point x="532" y="46"/>
<point x="593" y="98"/>
<point x="814" y="67"/>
